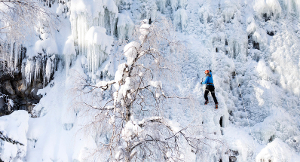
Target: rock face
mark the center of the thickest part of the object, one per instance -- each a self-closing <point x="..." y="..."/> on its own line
<point x="20" y="80"/>
<point x="17" y="94"/>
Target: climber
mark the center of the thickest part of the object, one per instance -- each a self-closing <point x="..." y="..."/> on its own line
<point x="209" y="88"/>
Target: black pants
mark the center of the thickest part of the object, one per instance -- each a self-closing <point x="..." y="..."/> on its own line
<point x="211" y="89"/>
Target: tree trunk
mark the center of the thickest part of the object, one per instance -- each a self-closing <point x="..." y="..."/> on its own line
<point x="127" y="153"/>
<point x="128" y="113"/>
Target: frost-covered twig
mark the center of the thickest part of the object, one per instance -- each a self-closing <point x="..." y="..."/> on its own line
<point x="7" y="139"/>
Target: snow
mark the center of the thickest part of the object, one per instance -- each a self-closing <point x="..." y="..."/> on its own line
<point x="48" y="44"/>
<point x="69" y="48"/>
<point x="181" y="19"/>
<point x="60" y="9"/>
<point x="130" y="131"/>
<point x="60" y="138"/>
<point x="156" y="84"/>
<point x="97" y="35"/>
<point x="125" y="26"/>
<point x="257" y="88"/>
<point x="92" y="29"/>
<point x="277" y="151"/>
<point x="144" y="29"/>
<point x="99" y="46"/>
<point x="269" y="7"/>
<point x="131" y="51"/>
<point x="119" y="72"/>
<point x="14" y="126"/>
<point x="69" y="52"/>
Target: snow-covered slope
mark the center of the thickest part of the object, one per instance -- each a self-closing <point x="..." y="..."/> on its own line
<point x="251" y="46"/>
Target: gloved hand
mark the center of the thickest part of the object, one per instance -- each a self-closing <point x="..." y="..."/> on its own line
<point x="210" y="70"/>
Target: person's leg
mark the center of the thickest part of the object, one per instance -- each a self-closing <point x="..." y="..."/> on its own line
<point x="212" y="91"/>
<point x="214" y="97"/>
<point x="205" y="95"/>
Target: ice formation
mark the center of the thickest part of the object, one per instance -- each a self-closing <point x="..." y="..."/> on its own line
<point x="98" y="48"/>
<point x="125" y="26"/>
<point x="181" y="19"/>
<point x="251" y="46"/>
<point x="14" y="54"/>
<point x="69" y="52"/>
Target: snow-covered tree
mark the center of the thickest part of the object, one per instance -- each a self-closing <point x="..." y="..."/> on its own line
<point x="18" y="19"/>
<point x="131" y="107"/>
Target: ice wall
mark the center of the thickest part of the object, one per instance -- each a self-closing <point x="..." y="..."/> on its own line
<point x="99" y="46"/>
<point x="13" y="53"/>
<point x="251" y="49"/>
<point x="125" y="26"/>
<point x="88" y="19"/>
<point x="42" y="60"/>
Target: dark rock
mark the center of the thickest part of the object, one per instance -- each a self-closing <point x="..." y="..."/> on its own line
<point x="232" y="159"/>
<point x="272" y="138"/>
<point x="39" y="86"/>
<point x="30" y="107"/>
<point x="14" y="86"/>
<point x="221" y="121"/>
<point x="21" y="86"/>
<point x="28" y="91"/>
<point x="2" y="103"/>
<point x="8" y="88"/>
<point x="271" y="33"/>
<point x="34" y="92"/>
<point x="232" y="152"/>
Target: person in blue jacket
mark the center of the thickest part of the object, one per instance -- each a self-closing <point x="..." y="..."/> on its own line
<point x="209" y="87"/>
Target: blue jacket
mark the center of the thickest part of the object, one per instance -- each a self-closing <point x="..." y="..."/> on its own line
<point x="209" y="80"/>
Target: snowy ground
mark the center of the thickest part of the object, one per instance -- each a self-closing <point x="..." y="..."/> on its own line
<point x="251" y="46"/>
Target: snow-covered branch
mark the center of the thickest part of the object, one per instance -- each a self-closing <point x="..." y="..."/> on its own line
<point x="10" y="140"/>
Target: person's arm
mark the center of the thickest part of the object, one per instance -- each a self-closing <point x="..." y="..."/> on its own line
<point x="206" y="80"/>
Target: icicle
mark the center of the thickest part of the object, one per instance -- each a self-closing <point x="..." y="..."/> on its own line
<point x="181" y="19"/>
<point x="11" y="56"/>
<point x="99" y="45"/>
<point x="29" y="69"/>
<point x="16" y="55"/>
<point x="38" y="67"/>
<point x="69" y="52"/>
<point x="49" y="70"/>
<point x="125" y="26"/>
<point x="161" y="5"/>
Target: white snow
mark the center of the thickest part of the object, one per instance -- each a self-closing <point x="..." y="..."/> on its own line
<point x="181" y="19"/>
<point x="14" y="126"/>
<point x="131" y="51"/>
<point x="257" y="88"/>
<point x="125" y="26"/>
<point x="277" y="151"/>
<point x="99" y="46"/>
<point x="156" y="84"/>
<point x="48" y="44"/>
<point x="269" y="7"/>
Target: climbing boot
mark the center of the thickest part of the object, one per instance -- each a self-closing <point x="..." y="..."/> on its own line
<point x="216" y="106"/>
<point x="206" y="102"/>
